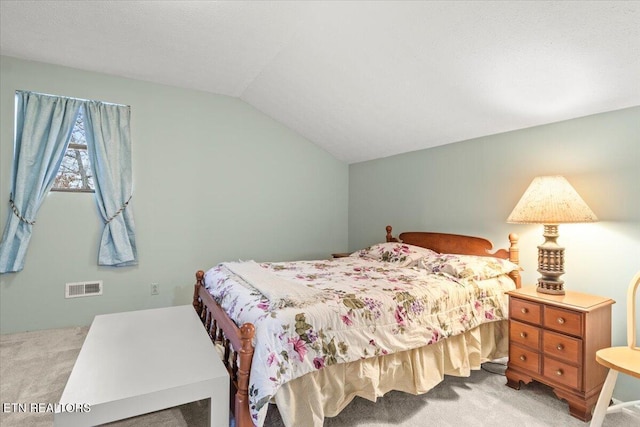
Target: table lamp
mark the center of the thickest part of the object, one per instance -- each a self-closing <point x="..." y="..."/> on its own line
<point x="551" y="200"/>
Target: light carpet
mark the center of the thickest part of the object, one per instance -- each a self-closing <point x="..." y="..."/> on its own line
<point x="34" y="367"/>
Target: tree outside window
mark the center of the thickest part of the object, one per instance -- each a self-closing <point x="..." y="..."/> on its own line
<point x="75" y="173"/>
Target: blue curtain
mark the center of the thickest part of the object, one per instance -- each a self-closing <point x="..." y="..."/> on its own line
<point x="43" y="128"/>
<point x="109" y="145"/>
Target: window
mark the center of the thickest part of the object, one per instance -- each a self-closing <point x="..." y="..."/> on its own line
<point x="75" y="173"/>
<point x="57" y="132"/>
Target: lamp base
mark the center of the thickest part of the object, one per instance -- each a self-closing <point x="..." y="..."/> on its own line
<point x="550" y="263"/>
<point x="553" y="288"/>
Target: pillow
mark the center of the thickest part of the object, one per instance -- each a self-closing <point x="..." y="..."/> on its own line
<point x="400" y="253"/>
<point x="468" y="266"/>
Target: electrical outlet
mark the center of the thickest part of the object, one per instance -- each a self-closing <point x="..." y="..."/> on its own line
<point x="155" y="289"/>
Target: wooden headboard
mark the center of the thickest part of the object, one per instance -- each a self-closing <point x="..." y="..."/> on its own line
<point x="458" y="244"/>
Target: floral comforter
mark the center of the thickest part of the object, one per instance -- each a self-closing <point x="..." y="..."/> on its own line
<point x="366" y="308"/>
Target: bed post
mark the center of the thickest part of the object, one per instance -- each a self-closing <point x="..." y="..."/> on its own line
<point x="242" y="415"/>
<point x="514" y="257"/>
<point x="197" y="302"/>
<point x="390" y="238"/>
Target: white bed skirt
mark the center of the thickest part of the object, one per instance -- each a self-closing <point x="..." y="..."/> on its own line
<point x="326" y="392"/>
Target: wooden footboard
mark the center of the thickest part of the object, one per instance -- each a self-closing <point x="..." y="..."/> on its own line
<point x="236" y="345"/>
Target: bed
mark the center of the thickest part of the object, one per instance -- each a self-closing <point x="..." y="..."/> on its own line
<point x="309" y="336"/>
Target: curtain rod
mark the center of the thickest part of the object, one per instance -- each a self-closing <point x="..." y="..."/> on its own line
<point x="71" y="97"/>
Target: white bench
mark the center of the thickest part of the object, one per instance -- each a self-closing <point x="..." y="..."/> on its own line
<point x="143" y="361"/>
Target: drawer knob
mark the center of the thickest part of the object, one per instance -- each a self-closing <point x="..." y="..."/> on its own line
<point x="523" y="357"/>
<point x="561" y="320"/>
<point x="559" y="372"/>
<point x="523" y="334"/>
<point x="560" y="347"/>
<point x="524" y="310"/>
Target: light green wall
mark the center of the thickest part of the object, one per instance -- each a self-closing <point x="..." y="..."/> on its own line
<point x="471" y="187"/>
<point x="214" y="180"/>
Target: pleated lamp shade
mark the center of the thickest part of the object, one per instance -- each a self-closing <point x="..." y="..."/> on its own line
<point x="551" y="200"/>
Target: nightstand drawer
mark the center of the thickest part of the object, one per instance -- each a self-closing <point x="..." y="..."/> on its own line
<point x="523" y="334"/>
<point x="561" y="320"/>
<point x="524" y="310"/>
<point x="562" y="373"/>
<point x="562" y="347"/>
<point x="524" y="358"/>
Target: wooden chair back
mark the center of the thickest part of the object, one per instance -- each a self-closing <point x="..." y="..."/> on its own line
<point x="631" y="311"/>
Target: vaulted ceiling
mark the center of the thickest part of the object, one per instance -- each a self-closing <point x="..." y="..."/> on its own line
<point x="361" y="79"/>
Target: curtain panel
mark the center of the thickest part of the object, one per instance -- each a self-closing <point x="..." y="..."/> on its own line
<point x="109" y="145"/>
<point x="43" y="128"/>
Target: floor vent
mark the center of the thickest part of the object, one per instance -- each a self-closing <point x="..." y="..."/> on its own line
<point x="83" y="289"/>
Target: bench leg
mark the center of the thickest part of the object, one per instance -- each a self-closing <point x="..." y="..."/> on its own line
<point x="219" y="403"/>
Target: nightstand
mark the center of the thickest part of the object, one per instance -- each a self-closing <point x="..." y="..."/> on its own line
<point x="341" y="254"/>
<point x="553" y="339"/>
